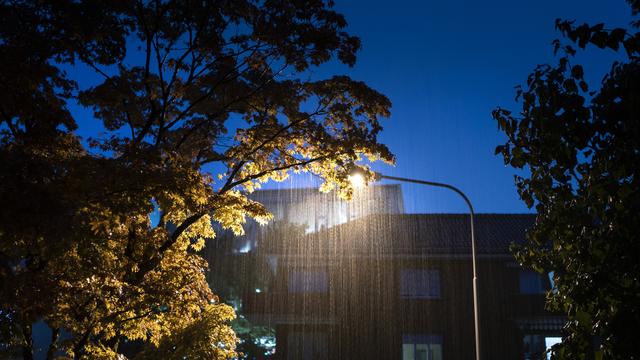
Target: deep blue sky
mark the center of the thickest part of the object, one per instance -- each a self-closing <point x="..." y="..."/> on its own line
<point x="445" y="65"/>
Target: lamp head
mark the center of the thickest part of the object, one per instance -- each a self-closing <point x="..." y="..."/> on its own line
<point x="357" y="180"/>
<point x="361" y="176"/>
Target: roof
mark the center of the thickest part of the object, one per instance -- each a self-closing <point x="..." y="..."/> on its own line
<point x="410" y="234"/>
<point x="541" y="323"/>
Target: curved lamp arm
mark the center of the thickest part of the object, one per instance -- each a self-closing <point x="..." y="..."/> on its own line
<point x="473" y="244"/>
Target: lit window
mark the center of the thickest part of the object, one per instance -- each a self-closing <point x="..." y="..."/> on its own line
<point x="308" y="281"/>
<point x="535" y="345"/>
<point x="549" y="341"/>
<point x="552" y="282"/>
<point x="421" y="347"/>
<point x="531" y="282"/>
<point x="420" y="283"/>
<point x="307" y="346"/>
<point x="342" y="212"/>
<point x="321" y="223"/>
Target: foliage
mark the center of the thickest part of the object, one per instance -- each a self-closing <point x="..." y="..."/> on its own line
<point x="581" y="147"/>
<point x="198" y="100"/>
<point x="208" y="337"/>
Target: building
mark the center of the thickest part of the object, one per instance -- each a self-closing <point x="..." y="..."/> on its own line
<point x="399" y="286"/>
<point x="317" y="211"/>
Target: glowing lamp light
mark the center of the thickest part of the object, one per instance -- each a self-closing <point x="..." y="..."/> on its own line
<point x="357" y="180"/>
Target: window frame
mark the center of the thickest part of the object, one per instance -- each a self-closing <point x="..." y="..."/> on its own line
<point x="422" y="339"/>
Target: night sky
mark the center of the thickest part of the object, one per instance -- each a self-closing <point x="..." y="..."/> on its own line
<point x="446" y="65"/>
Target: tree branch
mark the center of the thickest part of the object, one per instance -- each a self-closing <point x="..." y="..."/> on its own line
<point x="96" y="68"/>
<point x="78" y="348"/>
<point x="224" y="109"/>
<point x="212" y="89"/>
<point x="233" y="174"/>
<point x="147" y="66"/>
<point x="27" y="346"/>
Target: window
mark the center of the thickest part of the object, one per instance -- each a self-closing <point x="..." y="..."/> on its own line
<point x="421" y="347"/>
<point x="307" y="346"/>
<point x="549" y="341"/>
<point x="535" y="345"/>
<point x="552" y="282"/>
<point x="321" y="223"/>
<point x="531" y="282"/>
<point x="342" y="212"/>
<point x="308" y="281"/>
<point x="420" y="283"/>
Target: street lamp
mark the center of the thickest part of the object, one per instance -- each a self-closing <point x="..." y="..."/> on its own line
<point x="358" y="180"/>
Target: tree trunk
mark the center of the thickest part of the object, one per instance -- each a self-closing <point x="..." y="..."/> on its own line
<point x="78" y="349"/>
<point x="27" y="347"/>
<point x="55" y="333"/>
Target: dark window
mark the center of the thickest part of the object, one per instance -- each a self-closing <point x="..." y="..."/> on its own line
<point x="531" y="282"/>
<point x="420" y="283"/>
<point x="421" y="347"/>
<point x="308" y="281"/>
<point x="307" y="346"/>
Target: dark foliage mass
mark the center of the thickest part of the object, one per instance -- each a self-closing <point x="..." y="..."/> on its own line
<point x="580" y="145"/>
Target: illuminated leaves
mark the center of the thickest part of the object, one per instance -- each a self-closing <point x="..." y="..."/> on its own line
<point x="206" y="337"/>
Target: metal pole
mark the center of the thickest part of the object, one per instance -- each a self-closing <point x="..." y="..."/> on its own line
<point x="473" y="246"/>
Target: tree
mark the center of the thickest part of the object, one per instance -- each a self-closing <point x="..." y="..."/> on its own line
<point x="198" y="100"/>
<point x="581" y="148"/>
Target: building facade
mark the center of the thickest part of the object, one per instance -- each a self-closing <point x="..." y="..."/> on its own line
<point x="399" y="286"/>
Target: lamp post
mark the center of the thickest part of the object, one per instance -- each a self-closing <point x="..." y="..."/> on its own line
<point x="358" y="180"/>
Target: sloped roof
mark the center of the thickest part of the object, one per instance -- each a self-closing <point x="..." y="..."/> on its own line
<point x="410" y="234"/>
